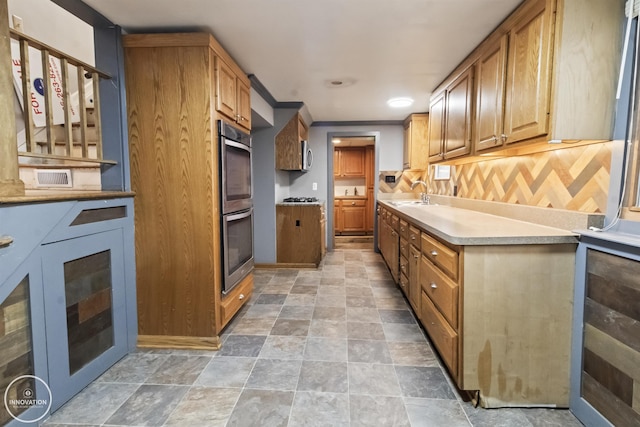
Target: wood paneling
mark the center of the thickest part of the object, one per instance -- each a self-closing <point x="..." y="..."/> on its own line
<point x="15" y="341"/>
<point x="88" y="216"/>
<point x="611" y="353"/>
<point x="170" y="103"/>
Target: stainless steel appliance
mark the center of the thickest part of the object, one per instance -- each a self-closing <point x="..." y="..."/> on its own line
<point x="236" y="204"/>
<point x="235" y="173"/>
<point x="237" y="247"/>
<point x="307" y="156"/>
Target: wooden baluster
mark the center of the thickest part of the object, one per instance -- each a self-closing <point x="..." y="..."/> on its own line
<point x="83" y="113"/>
<point x="10" y="184"/>
<point x="96" y="111"/>
<point x="26" y="95"/>
<point x="66" y="99"/>
<point x="48" y="102"/>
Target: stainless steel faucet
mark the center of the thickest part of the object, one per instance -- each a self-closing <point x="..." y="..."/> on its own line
<point x="424" y="197"/>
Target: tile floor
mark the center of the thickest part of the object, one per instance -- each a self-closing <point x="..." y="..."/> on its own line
<point x="336" y="346"/>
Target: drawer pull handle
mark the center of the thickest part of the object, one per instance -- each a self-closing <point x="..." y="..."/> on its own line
<point x="5" y="241"/>
<point x="434" y="253"/>
<point x="434" y="286"/>
<point x="241" y="297"/>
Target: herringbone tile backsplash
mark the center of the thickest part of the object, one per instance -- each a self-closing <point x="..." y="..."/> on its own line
<point x="574" y="178"/>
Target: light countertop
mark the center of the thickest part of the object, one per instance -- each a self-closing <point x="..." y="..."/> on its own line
<point x="466" y="227"/>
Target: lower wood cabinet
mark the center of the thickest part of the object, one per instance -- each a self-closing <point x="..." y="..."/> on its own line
<point x="498" y="315"/>
<point x="351" y="215"/>
<point x="300" y="233"/>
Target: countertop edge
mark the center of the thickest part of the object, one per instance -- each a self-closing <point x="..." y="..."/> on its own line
<point x="59" y="197"/>
<point x="570" y="237"/>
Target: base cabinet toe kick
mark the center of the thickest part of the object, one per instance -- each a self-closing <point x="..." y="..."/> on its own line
<point x="499" y="315"/>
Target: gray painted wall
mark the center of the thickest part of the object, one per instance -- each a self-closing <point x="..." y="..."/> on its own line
<point x="269" y="187"/>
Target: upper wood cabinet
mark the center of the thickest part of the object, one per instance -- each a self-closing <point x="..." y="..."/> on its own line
<point x="289" y="144"/>
<point x="491" y="74"/>
<point x="547" y="73"/>
<point x="416" y="142"/>
<point x="233" y="94"/>
<point x="349" y="162"/>
<point x="450" y="119"/>
<point x="457" y="133"/>
<point x="436" y="126"/>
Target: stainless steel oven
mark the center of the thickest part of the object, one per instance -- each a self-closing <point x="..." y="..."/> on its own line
<point x="237" y="247"/>
<point x="235" y="171"/>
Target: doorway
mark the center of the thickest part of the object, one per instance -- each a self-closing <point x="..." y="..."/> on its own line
<point x="353" y="182"/>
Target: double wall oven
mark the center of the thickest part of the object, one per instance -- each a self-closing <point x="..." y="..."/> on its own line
<point x="236" y="204"/>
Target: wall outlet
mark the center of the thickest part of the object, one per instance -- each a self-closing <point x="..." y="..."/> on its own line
<point x="314" y="186"/>
<point x="389" y="178"/>
<point x="17" y="23"/>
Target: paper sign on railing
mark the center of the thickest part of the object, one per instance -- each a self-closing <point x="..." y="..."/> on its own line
<point x="37" y="86"/>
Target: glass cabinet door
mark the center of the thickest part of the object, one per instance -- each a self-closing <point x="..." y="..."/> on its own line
<point x="84" y="298"/>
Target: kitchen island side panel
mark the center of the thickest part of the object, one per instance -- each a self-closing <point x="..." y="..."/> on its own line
<point x="517" y="311"/>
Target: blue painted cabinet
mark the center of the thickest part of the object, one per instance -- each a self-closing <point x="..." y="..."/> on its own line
<point x="67" y="298"/>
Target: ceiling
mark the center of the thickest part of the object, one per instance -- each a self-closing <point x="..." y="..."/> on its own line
<point x="379" y="49"/>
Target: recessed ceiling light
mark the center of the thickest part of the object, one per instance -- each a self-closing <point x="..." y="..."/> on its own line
<point x="336" y="141"/>
<point x="399" y="102"/>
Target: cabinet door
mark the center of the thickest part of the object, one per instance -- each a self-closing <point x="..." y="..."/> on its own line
<point x="226" y="90"/>
<point x="406" y="146"/>
<point x="244" y="105"/>
<point x="85" y="299"/>
<point x="436" y="127"/>
<point x="337" y="217"/>
<point x="457" y="134"/>
<point x="418" y="149"/>
<point x="370" y="167"/>
<point x="336" y="162"/>
<point x="528" y="76"/>
<point x="353" y="218"/>
<point x="352" y="163"/>
<point x="414" y="279"/>
<point x="370" y="203"/>
<point x="490" y="77"/>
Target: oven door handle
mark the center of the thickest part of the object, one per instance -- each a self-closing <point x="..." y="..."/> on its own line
<point x="239" y="215"/>
<point x="232" y="143"/>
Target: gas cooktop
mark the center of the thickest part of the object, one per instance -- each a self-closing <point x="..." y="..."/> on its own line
<point x="300" y="200"/>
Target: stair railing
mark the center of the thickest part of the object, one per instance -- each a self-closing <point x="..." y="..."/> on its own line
<point x="60" y="92"/>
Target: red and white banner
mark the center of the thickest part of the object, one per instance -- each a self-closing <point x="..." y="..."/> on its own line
<point x="37" y="86"/>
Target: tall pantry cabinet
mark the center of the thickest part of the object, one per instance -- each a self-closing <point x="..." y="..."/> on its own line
<point x="174" y="97"/>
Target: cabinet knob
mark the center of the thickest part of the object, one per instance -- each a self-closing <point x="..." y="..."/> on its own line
<point x="353" y="203"/>
<point x="434" y="286"/>
<point x="434" y="253"/>
<point x="404" y="267"/>
<point x="241" y="297"/>
<point x="503" y="137"/>
<point x="401" y="228"/>
<point x="416" y="256"/>
<point x="413" y="237"/>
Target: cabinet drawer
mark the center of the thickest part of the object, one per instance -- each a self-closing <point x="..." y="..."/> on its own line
<point x="352" y="202"/>
<point x="404" y="247"/>
<point x="442" y="256"/>
<point x="443" y="336"/>
<point x="441" y="290"/>
<point x="414" y="236"/>
<point x="404" y="284"/>
<point x="235" y="300"/>
<point x="404" y="229"/>
<point x="404" y="266"/>
<point x="395" y="222"/>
